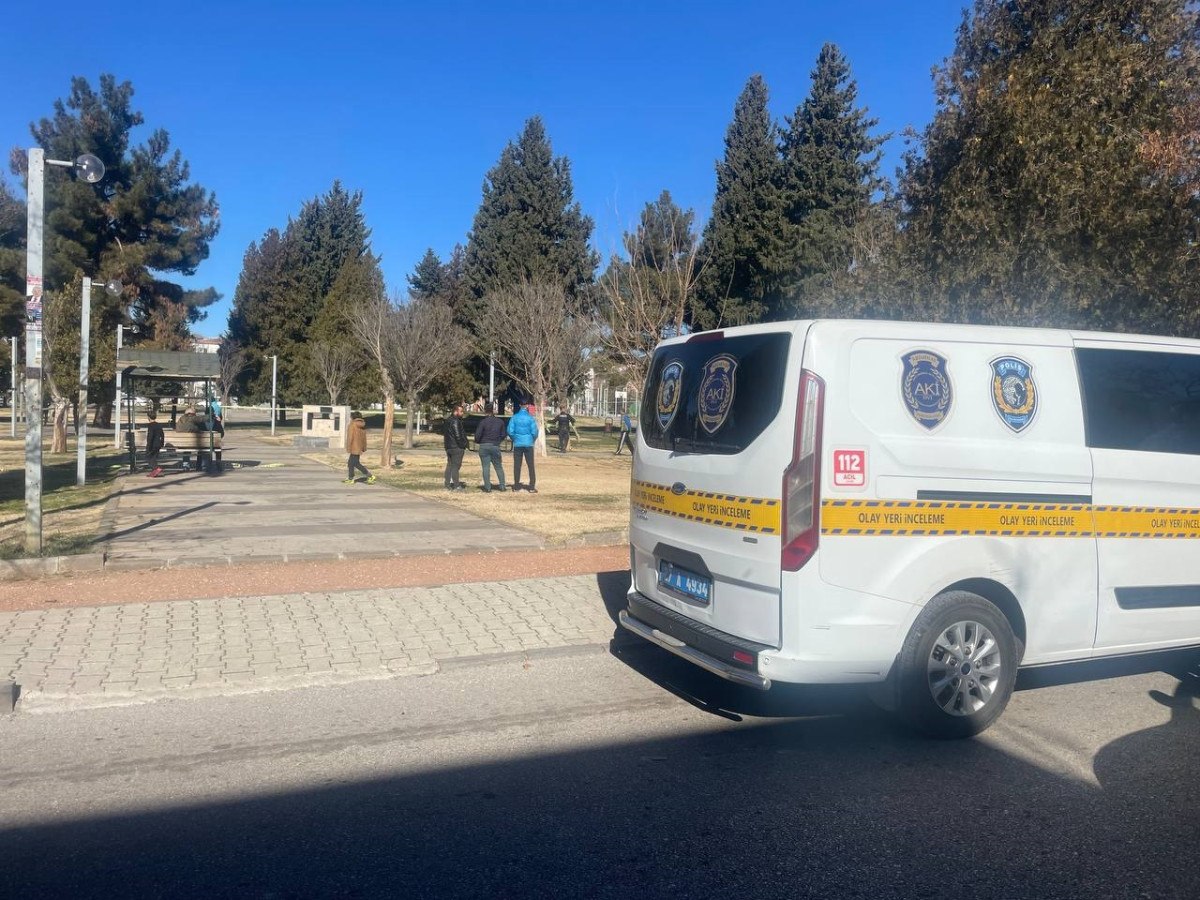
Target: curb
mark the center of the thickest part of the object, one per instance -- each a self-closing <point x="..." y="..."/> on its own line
<point x="36" y="702"/>
<point x="40" y="567"/>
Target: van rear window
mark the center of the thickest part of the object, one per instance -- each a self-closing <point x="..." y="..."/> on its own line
<point x="714" y="396"/>
<point x="1141" y="400"/>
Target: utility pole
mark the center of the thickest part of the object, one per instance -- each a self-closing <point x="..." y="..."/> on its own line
<point x="33" y="354"/>
<point x="90" y="169"/>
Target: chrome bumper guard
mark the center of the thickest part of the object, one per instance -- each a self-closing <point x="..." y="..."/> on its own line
<point x="692" y="655"/>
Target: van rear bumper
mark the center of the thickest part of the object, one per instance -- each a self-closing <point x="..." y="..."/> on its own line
<point x="674" y="634"/>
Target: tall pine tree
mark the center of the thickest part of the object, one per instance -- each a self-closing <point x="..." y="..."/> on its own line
<point x="286" y="292"/>
<point x="144" y="222"/>
<point x="743" y="249"/>
<point x="529" y="226"/>
<point x="830" y="169"/>
<point x="1038" y="196"/>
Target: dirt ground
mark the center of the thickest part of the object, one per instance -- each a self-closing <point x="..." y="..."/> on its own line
<point x="264" y="579"/>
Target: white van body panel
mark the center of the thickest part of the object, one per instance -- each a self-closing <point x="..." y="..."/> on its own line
<point x="1014" y="508"/>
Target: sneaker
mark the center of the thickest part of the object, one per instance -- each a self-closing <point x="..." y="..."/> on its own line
<point x="349" y="480"/>
<point x="460" y="487"/>
<point x="532" y="490"/>
<point x="370" y="479"/>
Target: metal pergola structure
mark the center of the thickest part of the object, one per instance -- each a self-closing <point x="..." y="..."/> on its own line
<point x="179" y="366"/>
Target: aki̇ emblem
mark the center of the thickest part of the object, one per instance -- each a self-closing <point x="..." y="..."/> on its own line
<point x="1014" y="395"/>
<point x="669" y="386"/>
<point x="717" y="385"/>
<point x="926" y="388"/>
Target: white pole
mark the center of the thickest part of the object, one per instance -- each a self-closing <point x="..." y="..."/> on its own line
<point x="117" y="397"/>
<point x="13" y="358"/>
<point x="274" y="397"/>
<point x="33" y="353"/>
<point x="492" y="380"/>
<point x="85" y="334"/>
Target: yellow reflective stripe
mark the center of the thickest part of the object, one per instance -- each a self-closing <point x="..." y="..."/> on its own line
<point x="759" y="515"/>
<point x="1147" y="521"/>
<point x="924" y="518"/>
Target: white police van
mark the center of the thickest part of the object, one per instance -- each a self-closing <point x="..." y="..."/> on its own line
<point x="924" y="506"/>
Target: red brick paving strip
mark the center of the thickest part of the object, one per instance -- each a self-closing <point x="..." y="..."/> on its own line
<point x="266" y="579"/>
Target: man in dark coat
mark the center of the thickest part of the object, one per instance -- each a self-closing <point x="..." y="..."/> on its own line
<point x="489" y="435"/>
<point x="454" y="437"/>
<point x="156" y="439"/>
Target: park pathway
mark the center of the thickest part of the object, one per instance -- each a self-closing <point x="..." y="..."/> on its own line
<point x="270" y="504"/>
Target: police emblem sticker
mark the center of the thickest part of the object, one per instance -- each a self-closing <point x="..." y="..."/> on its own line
<point x="1014" y="393"/>
<point x="717" y="386"/>
<point x="925" y="386"/>
<point x="670" y="385"/>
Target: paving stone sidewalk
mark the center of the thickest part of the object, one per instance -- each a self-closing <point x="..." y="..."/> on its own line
<point x="110" y="655"/>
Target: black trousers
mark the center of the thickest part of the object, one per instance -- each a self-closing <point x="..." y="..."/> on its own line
<point x="454" y="459"/>
<point x="526" y="454"/>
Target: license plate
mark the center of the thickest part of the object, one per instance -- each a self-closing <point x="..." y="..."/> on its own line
<point x="684" y="581"/>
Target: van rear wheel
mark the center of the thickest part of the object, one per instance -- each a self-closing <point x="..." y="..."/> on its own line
<point x="957" y="667"/>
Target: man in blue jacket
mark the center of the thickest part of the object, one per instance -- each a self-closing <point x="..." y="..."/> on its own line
<point x="523" y="430"/>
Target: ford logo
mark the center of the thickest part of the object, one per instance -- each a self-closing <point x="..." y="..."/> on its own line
<point x="678" y="488"/>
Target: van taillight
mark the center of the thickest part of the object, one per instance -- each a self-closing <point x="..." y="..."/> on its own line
<point x="802" y="480"/>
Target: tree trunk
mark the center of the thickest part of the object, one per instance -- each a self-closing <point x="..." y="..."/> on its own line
<point x="389" y="420"/>
<point x="410" y="416"/>
<point x="61" y="407"/>
<point x="541" y="420"/>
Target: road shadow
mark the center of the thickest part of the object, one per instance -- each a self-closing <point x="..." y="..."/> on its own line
<point x="825" y="807"/>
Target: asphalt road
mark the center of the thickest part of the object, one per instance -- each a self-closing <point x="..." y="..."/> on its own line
<point x="594" y="775"/>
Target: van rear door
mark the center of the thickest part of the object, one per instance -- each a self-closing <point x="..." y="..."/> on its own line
<point x="715" y="436"/>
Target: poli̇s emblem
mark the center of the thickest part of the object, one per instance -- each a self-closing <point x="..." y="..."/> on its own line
<point x="926" y="388"/>
<point x="716" y="391"/>
<point x="1014" y="395"/>
<point x="669" y="386"/>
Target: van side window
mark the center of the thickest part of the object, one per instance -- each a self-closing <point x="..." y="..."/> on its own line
<point x="760" y="361"/>
<point x="1141" y="400"/>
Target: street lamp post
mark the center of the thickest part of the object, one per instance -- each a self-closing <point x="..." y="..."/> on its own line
<point x="91" y="170"/>
<point x="492" y="380"/>
<point x="274" y="398"/>
<point x="13" y="383"/>
<point x="85" y="340"/>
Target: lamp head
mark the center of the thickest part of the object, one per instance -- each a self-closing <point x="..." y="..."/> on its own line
<point x="89" y="168"/>
<point x="114" y="287"/>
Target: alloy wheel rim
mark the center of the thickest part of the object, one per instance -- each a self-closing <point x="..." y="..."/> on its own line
<point x="964" y="668"/>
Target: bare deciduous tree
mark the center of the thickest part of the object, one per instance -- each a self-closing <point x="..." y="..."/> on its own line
<point x="540" y="334"/>
<point x="373" y="323"/>
<point x="646" y="298"/>
<point x="233" y="362"/>
<point x="426" y="344"/>
<point x="335" y="363"/>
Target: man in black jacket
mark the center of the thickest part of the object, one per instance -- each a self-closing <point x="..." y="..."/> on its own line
<point x="156" y="438"/>
<point x="454" y="437"/>
<point x="489" y="434"/>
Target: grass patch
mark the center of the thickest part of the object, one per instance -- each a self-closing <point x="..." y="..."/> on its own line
<point x="578" y="494"/>
<point x="70" y="515"/>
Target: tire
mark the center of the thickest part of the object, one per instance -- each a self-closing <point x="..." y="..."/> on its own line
<point x="958" y="666"/>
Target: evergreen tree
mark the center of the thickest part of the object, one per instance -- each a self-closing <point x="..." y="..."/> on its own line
<point x="528" y="226"/>
<point x="427" y="279"/>
<point x="286" y="292"/>
<point x="1039" y="196"/>
<point x="144" y="221"/>
<point x="830" y="169"/>
<point x="743" y="249"/>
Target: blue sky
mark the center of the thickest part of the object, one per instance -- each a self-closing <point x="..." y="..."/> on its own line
<point x="413" y="103"/>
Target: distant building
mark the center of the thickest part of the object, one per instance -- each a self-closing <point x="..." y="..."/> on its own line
<point x="207" y="345"/>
